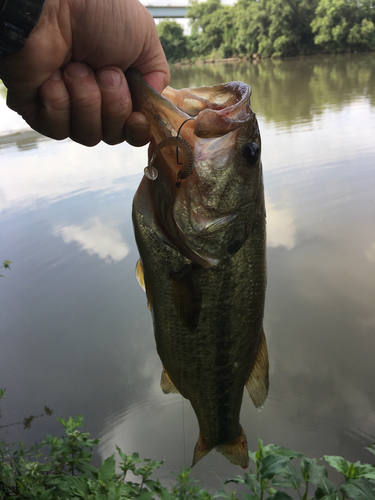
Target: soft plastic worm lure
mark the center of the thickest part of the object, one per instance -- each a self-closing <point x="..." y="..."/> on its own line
<point x="187" y="157"/>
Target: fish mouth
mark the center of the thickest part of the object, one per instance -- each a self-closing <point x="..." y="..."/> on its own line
<point x="214" y="123"/>
<point x="204" y="112"/>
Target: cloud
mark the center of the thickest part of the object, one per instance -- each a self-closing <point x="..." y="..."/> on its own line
<point x="96" y="238"/>
<point x="47" y="171"/>
<point x="370" y="253"/>
<point x="281" y="227"/>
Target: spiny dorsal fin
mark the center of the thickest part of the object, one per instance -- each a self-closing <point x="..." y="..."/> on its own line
<point x="200" y="450"/>
<point x="166" y="384"/>
<point x="140" y="275"/>
<point x="236" y="450"/>
<point x="258" y="382"/>
<point x="187" y="297"/>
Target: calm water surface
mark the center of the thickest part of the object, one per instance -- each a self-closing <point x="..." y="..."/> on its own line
<point x="76" y="334"/>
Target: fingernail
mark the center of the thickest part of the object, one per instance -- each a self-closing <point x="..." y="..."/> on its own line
<point x="56" y="75"/>
<point x="77" y="70"/>
<point x="138" y="134"/>
<point x="108" y="79"/>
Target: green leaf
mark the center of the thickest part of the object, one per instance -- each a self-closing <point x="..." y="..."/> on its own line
<point x="358" y="489"/>
<point x="253" y="456"/>
<point x="165" y="494"/>
<point x="319" y="495"/>
<point x="338" y="463"/>
<point x="371" y="448"/>
<point x="147" y="495"/>
<point x="237" y="479"/>
<point x="363" y="470"/>
<point x="252" y="482"/>
<point x="288" y="478"/>
<point x="107" y="469"/>
<point x="272" y="465"/>
<point x="281" y="451"/>
<point x="318" y="475"/>
<point x="280" y="495"/>
<point x="222" y="494"/>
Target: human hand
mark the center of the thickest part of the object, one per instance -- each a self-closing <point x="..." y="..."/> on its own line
<point x="68" y="80"/>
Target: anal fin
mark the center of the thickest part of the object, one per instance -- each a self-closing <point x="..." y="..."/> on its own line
<point x="166" y="384"/>
<point x="257" y="384"/>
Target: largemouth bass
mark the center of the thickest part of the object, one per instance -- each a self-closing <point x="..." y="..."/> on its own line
<point x="199" y="221"/>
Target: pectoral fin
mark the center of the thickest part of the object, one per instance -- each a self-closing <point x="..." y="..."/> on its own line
<point x="187" y="297"/>
<point x="258" y="382"/>
<point x="166" y="384"/>
<point x="139" y="274"/>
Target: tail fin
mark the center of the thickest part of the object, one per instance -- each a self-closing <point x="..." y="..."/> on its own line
<point x="200" y="450"/>
<point x="236" y="450"/>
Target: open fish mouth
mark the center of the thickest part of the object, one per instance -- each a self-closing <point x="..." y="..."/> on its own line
<point x="182" y="116"/>
<point x="197" y="165"/>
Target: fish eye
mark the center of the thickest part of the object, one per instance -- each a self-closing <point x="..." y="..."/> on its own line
<point x="251" y="153"/>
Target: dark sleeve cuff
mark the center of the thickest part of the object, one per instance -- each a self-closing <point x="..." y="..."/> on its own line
<point x="17" y="20"/>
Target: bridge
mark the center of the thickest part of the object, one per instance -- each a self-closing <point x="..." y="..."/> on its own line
<point x="163" y="11"/>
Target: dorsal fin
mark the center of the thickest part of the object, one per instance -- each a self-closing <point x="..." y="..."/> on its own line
<point x="166" y="384"/>
<point x="258" y="382"/>
<point x="187" y="296"/>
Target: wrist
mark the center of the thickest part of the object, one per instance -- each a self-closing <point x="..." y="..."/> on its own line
<point x="17" y="20"/>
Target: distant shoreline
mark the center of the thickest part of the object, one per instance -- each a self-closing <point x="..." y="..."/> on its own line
<point x="253" y="58"/>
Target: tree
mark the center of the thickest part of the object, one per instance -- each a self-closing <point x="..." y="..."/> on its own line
<point x="212" y="28"/>
<point x="343" y="25"/>
<point x="173" y="40"/>
<point x="275" y="27"/>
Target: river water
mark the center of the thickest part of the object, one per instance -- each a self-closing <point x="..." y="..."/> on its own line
<point x="76" y="334"/>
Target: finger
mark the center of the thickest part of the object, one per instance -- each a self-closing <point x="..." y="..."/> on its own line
<point x="54" y="115"/>
<point x="137" y="130"/>
<point x="116" y="103"/>
<point x="151" y="61"/>
<point x="85" y="104"/>
<point x="158" y="80"/>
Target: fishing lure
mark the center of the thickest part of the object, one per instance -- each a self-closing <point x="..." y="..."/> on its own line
<point x="186" y="152"/>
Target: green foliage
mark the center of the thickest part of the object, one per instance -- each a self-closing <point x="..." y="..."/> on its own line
<point x="342" y="25"/>
<point x="274" y="470"/>
<point x="64" y="471"/>
<point x="212" y="29"/>
<point x="278" y="28"/>
<point x="6" y="265"/>
<point x="172" y="39"/>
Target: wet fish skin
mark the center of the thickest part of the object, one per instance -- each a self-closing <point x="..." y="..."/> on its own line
<point x="203" y="262"/>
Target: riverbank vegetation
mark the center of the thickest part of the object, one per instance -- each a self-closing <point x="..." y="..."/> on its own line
<point x="62" y="468"/>
<point x="270" y="28"/>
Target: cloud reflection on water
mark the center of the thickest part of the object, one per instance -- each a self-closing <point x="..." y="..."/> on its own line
<point x="95" y="237"/>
